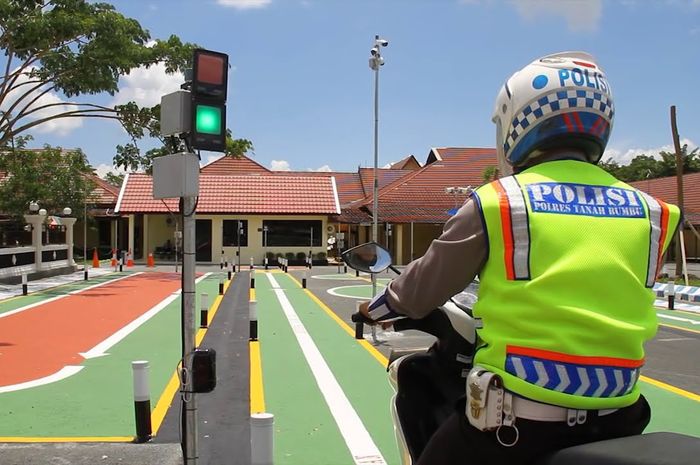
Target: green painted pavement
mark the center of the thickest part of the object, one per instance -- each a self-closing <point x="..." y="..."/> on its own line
<point x="304" y="419"/>
<point x="20" y="301"/>
<point x="671" y="412"/>
<point x="688" y="320"/>
<point x="98" y="400"/>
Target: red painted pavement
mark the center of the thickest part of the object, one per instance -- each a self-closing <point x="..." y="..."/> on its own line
<point x="40" y="341"/>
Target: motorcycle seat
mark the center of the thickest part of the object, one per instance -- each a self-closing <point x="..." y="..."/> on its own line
<point x="646" y="449"/>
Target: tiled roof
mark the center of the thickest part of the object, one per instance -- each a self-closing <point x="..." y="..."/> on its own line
<point x="420" y="196"/>
<point x="104" y="193"/>
<point x="233" y="166"/>
<point x="266" y="194"/>
<point x="408" y="163"/>
<point x="386" y="177"/>
<point x="666" y="190"/>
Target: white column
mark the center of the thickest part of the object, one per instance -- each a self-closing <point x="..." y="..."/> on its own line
<point x="36" y="221"/>
<point x="69" y="223"/>
<point x="114" y="223"/>
<point x="132" y="223"/>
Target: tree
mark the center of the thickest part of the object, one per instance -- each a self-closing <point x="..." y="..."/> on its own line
<point x="114" y="178"/>
<point x="51" y="176"/>
<point x="77" y="48"/>
<point x="649" y="167"/>
<point x="490" y="173"/>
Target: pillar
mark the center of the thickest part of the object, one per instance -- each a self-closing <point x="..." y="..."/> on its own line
<point x="144" y="246"/>
<point x="114" y="224"/>
<point x="132" y="224"/>
<point x="69" y="223"/>
<point x="398" y="234"/>
<point x="36" y="221"/>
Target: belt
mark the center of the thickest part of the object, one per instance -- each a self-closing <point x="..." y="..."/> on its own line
<point x="531" y="410"/>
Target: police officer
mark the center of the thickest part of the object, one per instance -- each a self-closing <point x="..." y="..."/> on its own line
<point x="567" y="256"/>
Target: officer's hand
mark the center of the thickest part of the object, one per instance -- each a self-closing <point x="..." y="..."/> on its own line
<point x="364" y="309"/>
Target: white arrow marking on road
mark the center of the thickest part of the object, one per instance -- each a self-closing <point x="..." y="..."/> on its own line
<point x="100" y="349"/>
<point x="63" y="373"/>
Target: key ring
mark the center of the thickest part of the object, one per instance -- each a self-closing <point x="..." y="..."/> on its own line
<point x="504" y="444"/>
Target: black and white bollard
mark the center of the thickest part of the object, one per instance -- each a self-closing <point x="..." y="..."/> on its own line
<point x="357" y="273"/>
<point x="204" y="310"/>
<point x="304" y="278"/>
<point x="671" y="293"/>
<point x="345" y="269"/>
<point x="233" y="267"/>
<point x="121" y="265"/>
<point x="142" y="401"/>
<point x="359" y="326"/>
<point x="261" y="438"/>
<point x="253" y="319"/>
<point x="230" y="272"/>
<point x="265" y="262"/>
<point x="252" y="264"/>
<point x="221" y="286"/>
<point x="85" y="274"/>
<point x="252" y="278"/>
<point x="221" y="264"/>
<point x="24" y="284"/>
<point x="226" y="262"/>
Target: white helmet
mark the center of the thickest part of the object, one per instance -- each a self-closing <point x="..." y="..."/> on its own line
<point x="558" y="101"/>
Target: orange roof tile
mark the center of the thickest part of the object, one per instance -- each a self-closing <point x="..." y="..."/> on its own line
<point x="267" y="194"/>
<point x="233" y="165"/>
<point x="666" y="189"/>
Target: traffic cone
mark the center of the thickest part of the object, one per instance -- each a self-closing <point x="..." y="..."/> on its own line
<point x="95" y="259"/>
<point x="113" y="264"/>
<point x="151" y="262"/>
<point x="129" y="259"/>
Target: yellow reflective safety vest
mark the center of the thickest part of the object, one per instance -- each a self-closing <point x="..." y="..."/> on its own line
<point x="565" y="296"/>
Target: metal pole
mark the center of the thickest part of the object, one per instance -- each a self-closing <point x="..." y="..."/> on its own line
<point x="311" y="246"/>
<point x="679" y="183"/>
<point x="239" y="245"/>
<point x="375" y="200"/>
<point x="85" y="270"/>
<point x="265" y="244"/>
<point x="188" y="333"/>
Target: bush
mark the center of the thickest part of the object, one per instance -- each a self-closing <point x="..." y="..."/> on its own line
<point x="270" y="256"/>
<point x="321" y="256"/>
<point x="289" y="256"/>
<point x="301" y="256"/>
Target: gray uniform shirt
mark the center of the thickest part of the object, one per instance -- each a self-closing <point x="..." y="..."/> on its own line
<point x="450" y="264"/>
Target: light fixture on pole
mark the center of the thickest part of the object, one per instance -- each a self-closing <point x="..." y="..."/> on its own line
<point x="33" y="206"/>
<point x="376" y="61"/>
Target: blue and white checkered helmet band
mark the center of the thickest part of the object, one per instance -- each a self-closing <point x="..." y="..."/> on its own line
<point x="556" y="102"/>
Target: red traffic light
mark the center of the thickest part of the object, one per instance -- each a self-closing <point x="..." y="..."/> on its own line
<point x="210" y="74"/>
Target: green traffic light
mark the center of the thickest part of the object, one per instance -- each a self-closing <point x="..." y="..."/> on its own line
<point x="208" y="119"/>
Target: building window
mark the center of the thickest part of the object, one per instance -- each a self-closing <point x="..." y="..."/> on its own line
<point x="295" y="233"/>
<point x="230" y="237"/>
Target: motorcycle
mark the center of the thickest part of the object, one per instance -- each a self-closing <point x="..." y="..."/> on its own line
<point x="427" y="382"/>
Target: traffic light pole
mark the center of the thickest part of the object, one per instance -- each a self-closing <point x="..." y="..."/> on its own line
<point x="189" y="420"/>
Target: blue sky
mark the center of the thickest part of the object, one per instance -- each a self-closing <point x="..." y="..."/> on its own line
<point x="301" y="89"/>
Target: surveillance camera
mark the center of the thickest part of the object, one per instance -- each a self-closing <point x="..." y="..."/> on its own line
<point x="374" y="51"/>
<point x="383" y="42"/>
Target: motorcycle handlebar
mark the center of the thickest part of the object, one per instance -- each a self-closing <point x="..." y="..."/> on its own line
<point x="360" y="318"/>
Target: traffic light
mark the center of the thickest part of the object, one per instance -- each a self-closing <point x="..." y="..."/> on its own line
<point x="208" y="110"/>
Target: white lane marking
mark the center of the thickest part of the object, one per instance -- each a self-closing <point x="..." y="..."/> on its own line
<point x="358" y="440"/>
<point x="63" y="373"/>
<point x="100" y="349"/>
<point x="674" y="339"/>
<point x="663" y="305"/>
<point x="677" y="318"/>
<point x="76" y="291"/>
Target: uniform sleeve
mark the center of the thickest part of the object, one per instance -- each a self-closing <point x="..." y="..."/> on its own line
<point x="450" y="264"/>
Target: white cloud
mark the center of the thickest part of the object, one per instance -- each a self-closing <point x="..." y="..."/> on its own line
<point x="61" y="126"/>
<point x="244" y="4"/>
<point x="146" y="86"/>
<point x="625" y="156"/>
<point x="580" y="15"/>
<point x="279" y="165"/>
<point x="102" y="169"/>
<point x="324" y="168"/>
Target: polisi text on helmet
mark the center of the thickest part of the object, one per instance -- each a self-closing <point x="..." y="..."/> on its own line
<point x="584" y="77"/>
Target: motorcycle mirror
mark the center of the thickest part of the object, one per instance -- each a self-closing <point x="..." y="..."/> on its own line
<point x="369" y="258"/>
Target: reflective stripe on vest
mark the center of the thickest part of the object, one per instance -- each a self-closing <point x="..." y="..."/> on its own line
<point x="516" y="230"/>
<point x="579" y="376"/>
<point x="658" y="219"/>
